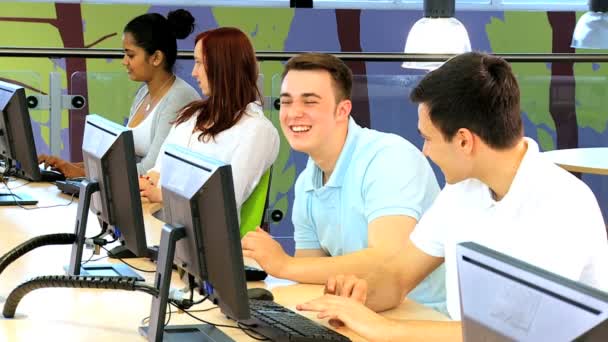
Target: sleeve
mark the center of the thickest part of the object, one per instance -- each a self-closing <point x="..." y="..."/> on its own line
<point x="257" y="150"/>
<point x="304" y="232"/>
<point x="398" y="181"/>
<point x="175" y="101"/>
<point x="430" y="232"/>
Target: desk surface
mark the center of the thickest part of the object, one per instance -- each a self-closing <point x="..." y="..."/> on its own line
<point x="107" y="315"/>
<point x="586" y="160"/>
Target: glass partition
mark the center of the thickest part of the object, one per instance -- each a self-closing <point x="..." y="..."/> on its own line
<point x="37" y="93"/>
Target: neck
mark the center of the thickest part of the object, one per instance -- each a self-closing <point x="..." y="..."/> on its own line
<point x="159" y="83"/>
<point x="327" y="157"/>
<point x="500" y="167"/>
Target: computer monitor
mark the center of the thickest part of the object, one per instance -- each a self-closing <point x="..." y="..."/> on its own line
<point x="502" y="298"/>
<point x="17" y="146"/>
<point x="111" y="188"/>
<point x="198" y="197"/>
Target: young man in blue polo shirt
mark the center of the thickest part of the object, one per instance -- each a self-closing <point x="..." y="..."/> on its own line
<point x="361" y="193"/>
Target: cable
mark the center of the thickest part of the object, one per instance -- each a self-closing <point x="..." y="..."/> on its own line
<point x="36" y="207"/>
<point x="239" y="325"/>
<point x="203" y="321"/>
<point x="133" y="267"/>
<point x="246" y="329"/>
<point x="97" y="259"/>
<point x="89" y="259"/>
<point x="18" y="186"/>
<point x="115" y="283"/>
<point x="33" y="243"/>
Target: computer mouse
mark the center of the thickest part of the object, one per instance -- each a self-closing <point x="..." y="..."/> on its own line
<point x="51" y="176"/>
<point x="259" y="294"/>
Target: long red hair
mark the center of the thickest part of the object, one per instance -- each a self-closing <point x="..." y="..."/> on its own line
<point x="232" y="71"/>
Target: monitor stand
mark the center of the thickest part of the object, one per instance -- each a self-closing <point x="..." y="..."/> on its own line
<point x="16" y="198"/>
<point x="87" y="189"/>
<point x="156" y="331"/>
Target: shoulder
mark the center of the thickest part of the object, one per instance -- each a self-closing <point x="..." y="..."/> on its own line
<point x="255" y="121"/>
<point x="374" y="147"/>
<point x="560" y="186"/>
<point x="182" y="89"/>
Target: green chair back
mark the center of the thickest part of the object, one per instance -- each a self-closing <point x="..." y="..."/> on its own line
<point x="252" y="211"/>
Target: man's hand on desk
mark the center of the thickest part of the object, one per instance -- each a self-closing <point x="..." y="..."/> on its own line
<point x="268" y="253"/>
<point x="353" y="314"/>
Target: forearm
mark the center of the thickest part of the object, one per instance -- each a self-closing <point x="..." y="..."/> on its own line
<point x="385" y="288"/>
<point x="316" y="270"/>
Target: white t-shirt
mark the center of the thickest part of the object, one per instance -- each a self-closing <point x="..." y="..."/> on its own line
<point x="250" y="147"/>
<point x="548" y="218"/>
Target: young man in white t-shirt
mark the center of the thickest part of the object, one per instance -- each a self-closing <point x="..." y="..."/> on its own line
<point x="501" y="193"/>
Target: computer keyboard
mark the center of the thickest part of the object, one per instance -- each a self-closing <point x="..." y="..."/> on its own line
<point x="281" y="324"/>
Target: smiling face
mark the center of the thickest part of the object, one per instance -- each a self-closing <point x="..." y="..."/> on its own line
<point x="452" y="157"/>
<point x="198" y="71"/>
<point x="137" y="62"/>
<point x="309" y="114"/>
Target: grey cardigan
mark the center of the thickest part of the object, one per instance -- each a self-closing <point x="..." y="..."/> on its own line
<point x="179" y="95"/>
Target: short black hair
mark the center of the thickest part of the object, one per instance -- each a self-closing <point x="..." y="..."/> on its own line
<point x="340" y="73"/>
<point x="476" y="91"/>
<point x="153" y="32"/>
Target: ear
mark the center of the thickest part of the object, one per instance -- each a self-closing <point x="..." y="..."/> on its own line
<point x="157" y="58"/>
<point x="343" y="109"/>
<point x="465" y="140"/>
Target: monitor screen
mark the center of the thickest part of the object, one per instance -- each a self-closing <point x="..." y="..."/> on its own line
<point x="17" y="146"/>
<point x="109" y="159"/>
<point x="198" y="193"/>
<point x="502" y="298"/>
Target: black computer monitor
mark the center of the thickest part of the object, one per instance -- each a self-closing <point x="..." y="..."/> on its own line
<point x="17" y="146"/>
<point x="502" y="299"/>
<point x="111" y="189"/>
<point x="198" y="197"/>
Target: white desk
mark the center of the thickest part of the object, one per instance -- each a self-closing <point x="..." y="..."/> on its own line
<point x="586" y="160"/>
<point x="107" y="315"/>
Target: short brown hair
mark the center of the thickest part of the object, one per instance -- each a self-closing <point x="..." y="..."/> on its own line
<point x="476" y="91"/>
<point x="341" y="75"/>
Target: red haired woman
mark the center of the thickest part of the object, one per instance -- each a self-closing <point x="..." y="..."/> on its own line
<point x="229" y="125"/>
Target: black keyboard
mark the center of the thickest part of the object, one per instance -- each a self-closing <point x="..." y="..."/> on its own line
<point x="281" y="324"/>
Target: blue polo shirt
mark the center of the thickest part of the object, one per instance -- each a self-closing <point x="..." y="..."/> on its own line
<point x="377" y="174"/>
